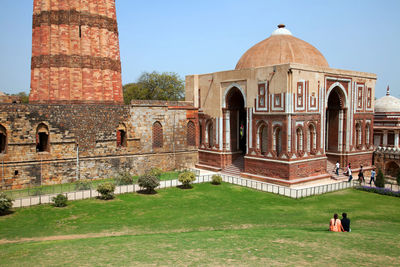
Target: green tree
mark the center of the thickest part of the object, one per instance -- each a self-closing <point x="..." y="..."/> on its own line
<point x="380" y="179"/>
<point x="155" y="86"/>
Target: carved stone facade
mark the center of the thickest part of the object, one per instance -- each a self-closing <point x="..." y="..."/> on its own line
<point x="284" y="121"/>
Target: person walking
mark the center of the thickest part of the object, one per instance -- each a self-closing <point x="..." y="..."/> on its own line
<point x="337" y="168"/>
<point x="361" y="175"/>
<point x="349" y="172"/>
<point x="372" y="177"/>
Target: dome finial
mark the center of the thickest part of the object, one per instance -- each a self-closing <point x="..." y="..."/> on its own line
<point x="282" y="30"/>
<point x="388" y="91"/>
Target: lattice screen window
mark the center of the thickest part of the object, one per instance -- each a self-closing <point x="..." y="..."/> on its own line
<point x="299" y="139"/>
<point x="191" y="134"/>
<point x="261" y="95"/>
<point x="157" y="135"/>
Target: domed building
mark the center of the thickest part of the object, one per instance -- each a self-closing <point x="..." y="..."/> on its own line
<point x="386" y="134"/>
<point x="283" y="115"/>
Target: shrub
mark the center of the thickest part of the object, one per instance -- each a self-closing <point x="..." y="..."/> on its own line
<point x="83" y="185"/>
<point x="155" y="172"/>
<point x="216" y="179"/>
<point x="106" y="190"/>
<point x="398" y="178"/>
<point x="149" y="182"/>
<point x="60" y="200"/>
<point x="186" y="178"/>
<point x="380" y="179"/>
<point x="124" y="178"/>
<point x="5" y="203"/>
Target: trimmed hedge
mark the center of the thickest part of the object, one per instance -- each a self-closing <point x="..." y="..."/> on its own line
<point x="149" y="182"/>
<point x="60" y="200"/>
<point x="5" y="203"/>
<point x="186" y="178"/>
<point x="106" y="190"/>
<point x="216" y="179"/>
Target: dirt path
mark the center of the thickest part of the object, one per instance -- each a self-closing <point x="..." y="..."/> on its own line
<point x="124" y="233"/>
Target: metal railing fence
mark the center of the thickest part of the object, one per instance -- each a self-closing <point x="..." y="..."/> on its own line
<point x="257" y="185"/>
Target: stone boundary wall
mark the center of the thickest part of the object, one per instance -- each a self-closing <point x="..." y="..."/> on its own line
<point x="95" y="129"/>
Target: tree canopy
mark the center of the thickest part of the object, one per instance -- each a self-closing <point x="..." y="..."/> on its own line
<point x="155" y="86"/>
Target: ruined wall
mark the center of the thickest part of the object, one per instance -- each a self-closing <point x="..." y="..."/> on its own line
<point x="94" y="128"/>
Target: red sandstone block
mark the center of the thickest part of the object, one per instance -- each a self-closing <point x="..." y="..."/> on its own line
<point x="54" y="4"/>
<point x="54" y="86"/>
<point x="44" y="40"/>
<point x="54" y="40"/>
<point x="63" y="5"/>
<point x="36" y="6"/>
<point x="93" y="6"/>
<point x="45" y="5"/>
<point x="75" y="4"/>
<point x="36" y="45"/>
<point x="64" y="39"/>
<point x="84" y="6"/>
<point x="64" y="93"/>
<point x="101" y="7"/>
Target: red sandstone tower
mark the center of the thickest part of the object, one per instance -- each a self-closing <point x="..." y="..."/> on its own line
<point x="75" y="52"/>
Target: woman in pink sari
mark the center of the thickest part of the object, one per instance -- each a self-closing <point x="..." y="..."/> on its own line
<point x="335" y="225"/>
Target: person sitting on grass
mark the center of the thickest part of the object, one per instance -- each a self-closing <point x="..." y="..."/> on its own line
<point x="345" y="222"/>
<point x="335" y="225"/>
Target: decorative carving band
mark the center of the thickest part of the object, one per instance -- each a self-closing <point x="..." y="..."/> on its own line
<point x="75" y="61"/>
<point x="73" y="17"/>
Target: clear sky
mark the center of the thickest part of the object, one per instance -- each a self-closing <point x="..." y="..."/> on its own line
<point x="194" y="37"/>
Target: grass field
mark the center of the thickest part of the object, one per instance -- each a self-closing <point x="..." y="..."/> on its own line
<point x="207" y="225"/>
<point x="71" y="187"/>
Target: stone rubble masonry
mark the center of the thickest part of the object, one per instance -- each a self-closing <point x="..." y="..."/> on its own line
<point x="94" y="128"/>
<point x="75" y="52"/>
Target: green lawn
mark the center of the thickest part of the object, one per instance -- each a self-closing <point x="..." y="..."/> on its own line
<point x="207" y="225"/>
<point x="70" y="187"/>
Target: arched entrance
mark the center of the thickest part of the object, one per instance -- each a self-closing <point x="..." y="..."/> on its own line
<point x="235" y="105"/>
<point x="335" y="135"/>
<point x="392" y="169"/>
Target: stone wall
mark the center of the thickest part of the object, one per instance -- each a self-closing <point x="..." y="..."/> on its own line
<point x="94" y="129"/>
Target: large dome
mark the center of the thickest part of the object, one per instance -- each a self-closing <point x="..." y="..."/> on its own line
<point x="280" y="48"/>
<point x="387" y="103"/>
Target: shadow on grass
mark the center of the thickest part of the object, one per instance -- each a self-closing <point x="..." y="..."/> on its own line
<point x="184" y="187"/>
<point x="6" y="213"/>
<point x="147" y="192"/>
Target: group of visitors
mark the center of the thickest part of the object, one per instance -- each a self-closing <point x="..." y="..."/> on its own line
<point x="343" y="225"/>
<point x="349" y="172"/>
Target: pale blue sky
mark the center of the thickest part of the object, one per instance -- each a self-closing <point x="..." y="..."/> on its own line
<point x="193" y="37"/>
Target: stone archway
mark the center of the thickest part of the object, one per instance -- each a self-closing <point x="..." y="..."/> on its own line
<point x="235" y="106"/>
<point x="392" y="169"/>
<point x="335" y="121"/>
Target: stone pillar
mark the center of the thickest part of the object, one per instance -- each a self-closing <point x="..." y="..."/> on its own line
<point x="227" y="129"/>
<point x="396" y="139"/>
<point x="385" y="138"/>
<point x="340" y="133"/>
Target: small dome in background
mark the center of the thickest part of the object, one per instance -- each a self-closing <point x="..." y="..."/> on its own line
<point x="281" y="48"/>
<point x="387" y="103"/>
